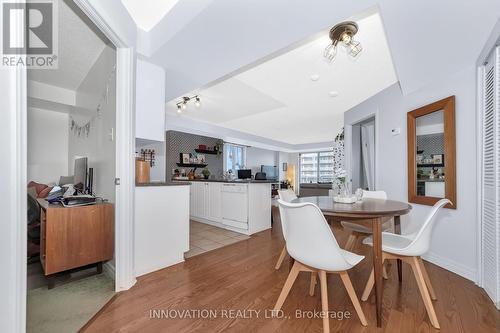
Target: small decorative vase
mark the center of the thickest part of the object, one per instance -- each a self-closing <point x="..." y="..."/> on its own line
<point x="344" y="190"/>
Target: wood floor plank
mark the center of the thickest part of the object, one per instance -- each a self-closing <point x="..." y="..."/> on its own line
<point x="242" y="276"/>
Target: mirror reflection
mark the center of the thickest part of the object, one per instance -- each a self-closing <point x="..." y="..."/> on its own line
<point x="431" y="171"/>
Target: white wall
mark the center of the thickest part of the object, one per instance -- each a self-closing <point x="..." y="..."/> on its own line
<point x="257" y="157"/>
<point x="158" y="171"/>
<point x="98" y="146"/>
<point x="47" y="145"/>
<point x="454" y="240"/>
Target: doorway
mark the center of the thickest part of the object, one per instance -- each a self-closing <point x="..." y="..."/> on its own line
<point x="363" y="154"/>
<point x="71" y="150"/>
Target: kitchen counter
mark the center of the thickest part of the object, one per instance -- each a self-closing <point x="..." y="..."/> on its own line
<point x="238" y="181"/>
<point x="170" y="183"/>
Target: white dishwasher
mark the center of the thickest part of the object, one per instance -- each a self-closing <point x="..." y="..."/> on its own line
<point x="235" y="205"/>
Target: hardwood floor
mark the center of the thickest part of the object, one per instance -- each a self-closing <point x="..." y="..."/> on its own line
<point x="241" y="276"/>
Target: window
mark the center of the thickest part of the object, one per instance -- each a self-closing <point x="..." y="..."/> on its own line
<point x="234" y="157"/>
<point x="316" y="167"/>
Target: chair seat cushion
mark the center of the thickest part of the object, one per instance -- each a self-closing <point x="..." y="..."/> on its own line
<point x="362" y="229"/>
<point x="392" y="243"/>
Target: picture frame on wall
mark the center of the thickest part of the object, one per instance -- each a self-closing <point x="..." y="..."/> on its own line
<point x="437" y="158"/>
<point x="202" y="158"/>
<point x="185" y="158"/>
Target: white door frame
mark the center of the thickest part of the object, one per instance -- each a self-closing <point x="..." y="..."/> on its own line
<point x="125" y="169"/>
<point x="125" y="148"/>
<point x="348" y="145"/>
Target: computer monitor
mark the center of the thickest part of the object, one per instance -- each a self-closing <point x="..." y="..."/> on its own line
<point x="270" y="171"/>
<point x="80" y="174"/>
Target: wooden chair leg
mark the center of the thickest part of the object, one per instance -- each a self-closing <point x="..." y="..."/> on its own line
<point x="354" y="299"/>
<point x="312" y="284"/>
<point x="368" y="287"/>
<point x="281" y="258"/>
<point x="427" y="279"/>
<point x="351" y="242"/>
<point x="424" y="292"/>
<point x="292" y="276"/>
<point x="324" y="301"/>
<point x="384" y="272"/>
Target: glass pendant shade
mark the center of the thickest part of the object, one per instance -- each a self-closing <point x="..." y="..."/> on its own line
<point x="179" y="110"/>
<point x="354" y="48"/>
<point x="197" y="102"/>
<point x="330" y="52"/>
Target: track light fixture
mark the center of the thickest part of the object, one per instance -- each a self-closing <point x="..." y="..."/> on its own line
<point x="182" y="105"/>
<point x="343" y="32"/>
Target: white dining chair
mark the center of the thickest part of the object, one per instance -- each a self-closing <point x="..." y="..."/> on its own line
<point x="409" y="248"/>
<point x="310" y="241"/>
<point x="285" y="195"/>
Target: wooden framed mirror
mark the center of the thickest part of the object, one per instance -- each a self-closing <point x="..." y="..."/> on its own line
<point x="431" y="153"/>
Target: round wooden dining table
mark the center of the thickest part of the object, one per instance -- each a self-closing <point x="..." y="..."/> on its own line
<point x="371" y="213"/>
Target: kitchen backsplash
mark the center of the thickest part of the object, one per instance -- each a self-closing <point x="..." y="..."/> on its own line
<point x="179" y="142"/>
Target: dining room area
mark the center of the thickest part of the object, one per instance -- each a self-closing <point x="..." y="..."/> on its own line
<point x="382" y="139"/>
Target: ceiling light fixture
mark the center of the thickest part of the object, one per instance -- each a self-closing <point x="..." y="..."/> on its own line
<point x="182" y="105"/>
<point x="343" y="32"/>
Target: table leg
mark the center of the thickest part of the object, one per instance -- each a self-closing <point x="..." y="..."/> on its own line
<point x="290" y="263"/>
<point x="397" y="230"/>
<point x="377" y="266"/>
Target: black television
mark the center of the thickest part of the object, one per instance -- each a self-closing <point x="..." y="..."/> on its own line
<point x="270" y="171"/>
<point x="244" y="174"/>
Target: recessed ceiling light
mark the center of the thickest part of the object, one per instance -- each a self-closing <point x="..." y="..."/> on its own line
<point x="333" y="93"/>
<point x="315" y="77"/>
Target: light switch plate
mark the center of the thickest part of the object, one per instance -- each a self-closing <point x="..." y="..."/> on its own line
<point x="396" y="131"/>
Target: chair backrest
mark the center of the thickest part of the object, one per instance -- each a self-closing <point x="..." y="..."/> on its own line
<point x="287" y="195"/>
<point x="309" y="239"/>
<point x="422" y="238"/>
<point x="375" y="194"/>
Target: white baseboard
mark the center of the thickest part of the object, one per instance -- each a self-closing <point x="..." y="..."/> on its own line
<point x="109" y="269"/>
<point x="452" y="266"/>
<point x="161" y="265"/>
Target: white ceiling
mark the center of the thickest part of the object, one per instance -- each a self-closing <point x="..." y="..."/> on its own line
<point x="147" y="13"/>
<point x="278" y="100"/>
<point x="79" y="48"/>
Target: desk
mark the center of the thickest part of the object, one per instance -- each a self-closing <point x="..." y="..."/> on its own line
<point x="75" y="237"/>
<point x="368" y="212"/>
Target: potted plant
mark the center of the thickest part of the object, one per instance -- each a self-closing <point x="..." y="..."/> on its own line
<point x="219" y="145"/>
<point x="206" y="173"/>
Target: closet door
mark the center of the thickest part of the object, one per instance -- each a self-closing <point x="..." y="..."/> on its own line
<point x="490" y="230"/>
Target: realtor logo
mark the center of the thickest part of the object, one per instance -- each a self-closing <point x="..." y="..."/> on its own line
<point x="29" y="36"/>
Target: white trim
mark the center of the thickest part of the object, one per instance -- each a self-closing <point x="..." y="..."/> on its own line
<point x="479" y="173"/>
<point x="452" y="266"/>
<point x="125" y="148"/>
<point x="18" y="190"/>
<point x="125" y="170"/>
<point x="18" y="197"/>
<point x="348" y="144"/>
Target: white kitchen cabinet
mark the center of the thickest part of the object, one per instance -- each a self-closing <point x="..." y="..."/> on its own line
<point x="150" y="102"/>
<point x="214" y="201"/>
<point x="240" y="207"/>
<point x="199" y="197"/>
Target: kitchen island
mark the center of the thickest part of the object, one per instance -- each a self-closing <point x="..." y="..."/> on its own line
<point x="242" y="206"/>
<point x="161" y="225"/>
